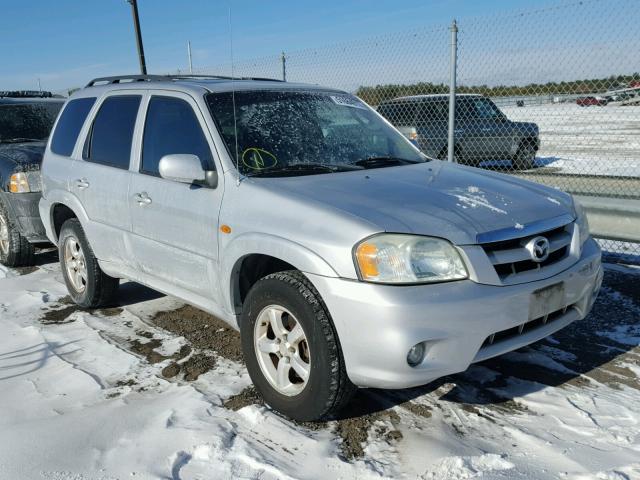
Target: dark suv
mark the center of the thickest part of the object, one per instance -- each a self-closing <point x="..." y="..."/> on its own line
<point x="482" y="131"/>
<point x="26" y="119"/>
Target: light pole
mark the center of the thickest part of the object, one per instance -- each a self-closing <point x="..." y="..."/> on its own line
<point x="452" y="93"/>
<point x="136" y="25"/>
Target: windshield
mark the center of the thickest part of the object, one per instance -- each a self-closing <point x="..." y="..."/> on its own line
<point x="292" y="131"/>
<point x="27" y="121"/>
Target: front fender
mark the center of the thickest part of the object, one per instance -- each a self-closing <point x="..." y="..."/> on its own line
<point x="233" y="252"/>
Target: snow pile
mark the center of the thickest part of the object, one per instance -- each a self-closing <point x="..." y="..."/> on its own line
<point x="591" y="140"/>
<point x="80" y="402"/>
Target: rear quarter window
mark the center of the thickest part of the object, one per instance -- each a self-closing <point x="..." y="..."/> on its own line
<point x="69" y="125"/>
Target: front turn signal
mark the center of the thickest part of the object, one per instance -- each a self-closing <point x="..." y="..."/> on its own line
<point x="18" y="183"/>
<point x="367" y="257"/>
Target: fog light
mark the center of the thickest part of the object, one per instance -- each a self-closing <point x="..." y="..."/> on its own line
<point x="416" y="354"/>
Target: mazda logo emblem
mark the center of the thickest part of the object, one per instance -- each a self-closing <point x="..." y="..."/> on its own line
<point x="538" y="248"/>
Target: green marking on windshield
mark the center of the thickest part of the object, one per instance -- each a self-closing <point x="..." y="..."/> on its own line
<point x="258" y="158"/>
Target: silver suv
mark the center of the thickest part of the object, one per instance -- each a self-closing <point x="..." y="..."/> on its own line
<point x="345" y="257"/>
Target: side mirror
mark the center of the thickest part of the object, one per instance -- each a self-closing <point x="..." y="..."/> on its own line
<point x="186" y="168"/>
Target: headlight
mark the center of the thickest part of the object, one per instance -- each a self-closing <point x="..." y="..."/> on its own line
<point x="581" y="221"/>
<point x="25" y="182"/>
<point x="397" y="258"/>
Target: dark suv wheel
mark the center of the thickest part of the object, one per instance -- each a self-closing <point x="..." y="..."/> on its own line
<point x="15" y="250"/>
<point x="525" y="157"/>
<point x="88" y="285"/>
<point x="291" y="348"/>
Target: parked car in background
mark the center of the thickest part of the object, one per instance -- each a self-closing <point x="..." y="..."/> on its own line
<point x="296" y="213"/>
<point x="482" y="131"/>
<point x="591" y="101"/>
<point x="26" y="119"/>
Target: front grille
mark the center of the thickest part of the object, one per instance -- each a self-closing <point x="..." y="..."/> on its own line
<point x="505" y="269"/>
<point x="523" y="328"/>
<point x="510" y="257"/>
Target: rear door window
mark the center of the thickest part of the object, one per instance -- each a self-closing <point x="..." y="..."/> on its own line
<point x="434" y="111"/>
<point x="68" y="128"/>
<point x="111" y="136"/>
<point x="172" y="127"/>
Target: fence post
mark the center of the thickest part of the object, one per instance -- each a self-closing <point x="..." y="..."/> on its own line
<point x="284" y="67"/>
<point x="452" y="91"/>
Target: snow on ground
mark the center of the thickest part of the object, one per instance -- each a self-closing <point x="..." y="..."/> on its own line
<point x="585" y="140"/>
<point x="109" y="394"/>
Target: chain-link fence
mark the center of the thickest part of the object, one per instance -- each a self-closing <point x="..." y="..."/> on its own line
<point x="550" y="95"/>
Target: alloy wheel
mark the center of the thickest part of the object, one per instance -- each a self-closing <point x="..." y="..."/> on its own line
<point x="282" y="350"/>
<point x="4" y="235"/>
<point x="75" y="264"/>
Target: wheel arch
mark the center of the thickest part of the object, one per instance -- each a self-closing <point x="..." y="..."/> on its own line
<point x="61" y="208"/>
<point x="253" y="256"/>
<point x="529" y="140"/>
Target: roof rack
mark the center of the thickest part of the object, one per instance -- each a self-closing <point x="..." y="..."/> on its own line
<point x="125" y="79"/>
<point x="166" y="78"/>
<point x="25" y="94"/>
<point x="224" y="77"/>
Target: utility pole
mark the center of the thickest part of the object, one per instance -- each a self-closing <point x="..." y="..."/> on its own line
<point x="283" y="58"/>
<point x="452" y="92"/>
<point x="189" y="53"/>
<point x="136" y="25"/>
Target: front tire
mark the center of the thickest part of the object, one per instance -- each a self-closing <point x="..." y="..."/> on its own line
<point x="457" y="157"/>
<point x="88" y="285"/>
<point x="525" y="158"/>
<point x="291" y="348"/>
<point x="15" y="249"/>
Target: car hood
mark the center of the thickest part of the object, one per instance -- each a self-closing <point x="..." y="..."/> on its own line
<point x="435" y="198"/>
<point x="24" y="156"/>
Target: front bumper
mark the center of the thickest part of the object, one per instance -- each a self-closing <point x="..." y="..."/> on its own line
<point x="25" y="215"/>
<point x="378" y="324"/>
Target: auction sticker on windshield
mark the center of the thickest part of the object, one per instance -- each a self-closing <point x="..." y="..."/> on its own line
<point x="347" y="101"/>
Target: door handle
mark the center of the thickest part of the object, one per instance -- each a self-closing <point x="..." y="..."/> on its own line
<point x="142" y="198"/>
<point x="82" y="183"/>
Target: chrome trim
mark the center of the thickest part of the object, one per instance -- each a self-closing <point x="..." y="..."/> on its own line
<point x="511" y="233"/>
<point x="512" y="255"/>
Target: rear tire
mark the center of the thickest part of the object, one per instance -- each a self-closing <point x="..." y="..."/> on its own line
<point x="290" y="301"/>
<point x="15" y="249"/>
<point x="88" y="285"/>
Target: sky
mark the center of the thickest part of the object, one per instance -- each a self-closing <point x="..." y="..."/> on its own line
<point x="65" y="43"/>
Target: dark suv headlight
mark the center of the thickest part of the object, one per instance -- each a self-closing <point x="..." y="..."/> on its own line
<point x="25" y="182"/>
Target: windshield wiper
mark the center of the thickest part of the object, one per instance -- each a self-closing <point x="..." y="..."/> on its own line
<point x="302" y="169"/>
<point x="20" y="140"/>
<point x="380" y="162"/>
